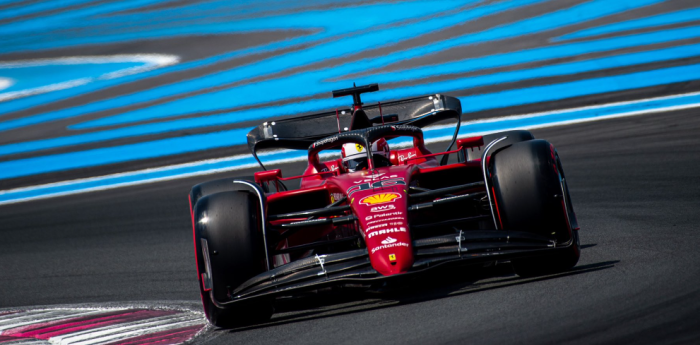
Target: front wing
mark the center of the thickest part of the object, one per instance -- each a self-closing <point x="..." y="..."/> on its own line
<point x="353" y="267"/>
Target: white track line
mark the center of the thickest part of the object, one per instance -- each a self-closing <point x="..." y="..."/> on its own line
<point x="101" y="330"/>
<point x="127" y="330"/>
<point x="98" y="335"/>
<point x="205" y="171"/>
<point x="5" y="83"/>
<point x="44" y="317"/>
<point x="139" y="332"/>
<point x="27" y="341"/>
<point x="150" y="61"/>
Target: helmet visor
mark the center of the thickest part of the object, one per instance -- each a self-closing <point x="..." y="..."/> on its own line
<point x="351" y="164"/>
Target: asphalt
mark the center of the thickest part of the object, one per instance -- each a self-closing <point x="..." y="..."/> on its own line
<point x="634" y="183"/>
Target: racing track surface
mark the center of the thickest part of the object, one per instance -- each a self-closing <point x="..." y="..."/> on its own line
<point x="634" y="181"/>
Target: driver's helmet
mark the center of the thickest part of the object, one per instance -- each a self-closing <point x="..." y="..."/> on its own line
<point x="355" y="156"/>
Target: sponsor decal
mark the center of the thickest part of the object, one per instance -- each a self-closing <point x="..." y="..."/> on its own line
<point x="332" y="199"/>
<point x="382" y="208"/>
<point x="405" y="128"/>
<point x="380" y="198"/>
<point x="359" y="147"/>
<point x="385" y="231"/>
<point x="410" y="155"/>
<point x="381" y="176"/>
<point x="388" y="214"/>
<point x="385" y="182"/>
<point x="389" y="240"/>
<point x="378" y="176"/>
<point x="392" y="257"/>
<point x="382" y="220"/>
<point x="391" y="245"/>
<point x="325" y="141"/>
<point x="376" y="226"/>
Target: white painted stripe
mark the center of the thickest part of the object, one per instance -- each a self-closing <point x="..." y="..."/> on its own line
<point x="97" y="331"/>
<point x="205" y="171"/>
<point x="44" y="89"/>
<point x="5" y="83"/>
<point x="21" y="313"/>
<point x="570" y="110"/>
<point x="150" y="61"/>
<point x="571" y="122"/>
<point x="139" y="332"/>
<point x="139" y="172"/>
<point x="21" y="317"/>
<point x="46" y="317"/>
<point x="27" y="341"/>
<point x="145" y="326"/>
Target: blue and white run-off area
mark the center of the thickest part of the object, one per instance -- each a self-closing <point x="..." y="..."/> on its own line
<point x="95" y="95"/>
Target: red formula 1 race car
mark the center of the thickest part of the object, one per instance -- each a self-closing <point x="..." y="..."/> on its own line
<point x="373" y="215"/>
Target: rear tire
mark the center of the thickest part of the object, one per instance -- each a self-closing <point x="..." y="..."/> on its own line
<point x="228" y="223"/>
<point x="530" y="196"/>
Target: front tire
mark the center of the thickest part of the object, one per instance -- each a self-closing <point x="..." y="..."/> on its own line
<point x="514" y="136"/>
<point x="531" y="196"/>
<point x="226" y="229"/>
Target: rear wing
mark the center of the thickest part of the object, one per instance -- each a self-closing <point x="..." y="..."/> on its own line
<point x="300" y="132"/>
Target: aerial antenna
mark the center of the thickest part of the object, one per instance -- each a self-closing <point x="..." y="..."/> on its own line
<point x="380" y="111"/>
<point x="337" y="118"/>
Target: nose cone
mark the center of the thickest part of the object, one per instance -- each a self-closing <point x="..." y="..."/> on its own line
<point x="391" y="258"/>
<point x="383" y="218"/>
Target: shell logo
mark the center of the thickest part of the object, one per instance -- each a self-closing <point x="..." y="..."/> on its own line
<point x="380" y="198"/>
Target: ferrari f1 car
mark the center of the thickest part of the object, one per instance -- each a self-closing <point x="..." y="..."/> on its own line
<point x="374" y="214"/>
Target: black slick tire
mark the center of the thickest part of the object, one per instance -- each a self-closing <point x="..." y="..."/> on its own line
<point x="216" y="186"/>
<point x="530" y="195"/>
<point x="514" y="136"/>
<point x="226" y="226"/>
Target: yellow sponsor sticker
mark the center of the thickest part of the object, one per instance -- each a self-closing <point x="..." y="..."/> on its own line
<point x="380" y="198"/>
<point x="392" y="257"/>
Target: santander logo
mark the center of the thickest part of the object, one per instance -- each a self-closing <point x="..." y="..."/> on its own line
<point x="382" y="208"/>
<point x="389" y="240"/>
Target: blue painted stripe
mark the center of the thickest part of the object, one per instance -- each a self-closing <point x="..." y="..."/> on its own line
<point x="334" y="21"/>
<point x="38" y="7"/>
<point x="546" y="71"/>
<point x="118" y="154"/>
<point x="339" y="27"/>
<point x="43" y="26"/>
<point x="240" y="162"/>
<point x="27" y="103"/>
<point x="255" y="93"/>
<point x="192" y="143"/>
<point x="677" y="17"/>
<point x="28" y="77"/>
<point x="531" y="55"/>
<point x="248" y="95"/>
